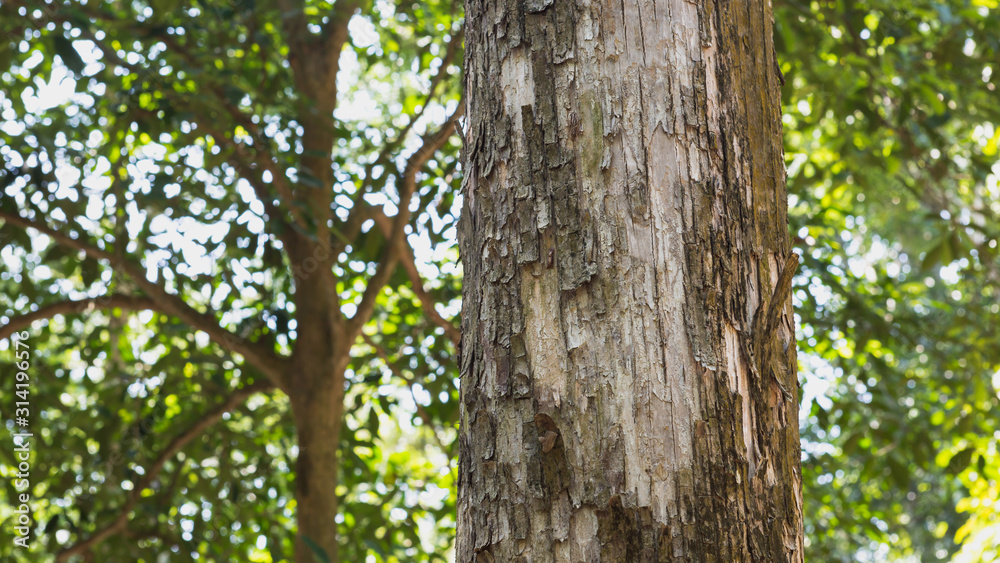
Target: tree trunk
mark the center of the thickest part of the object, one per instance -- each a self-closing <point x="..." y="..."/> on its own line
<point x="318" y="417"/>
<point x="628" y="395"/>
<point x="316" y="391"/>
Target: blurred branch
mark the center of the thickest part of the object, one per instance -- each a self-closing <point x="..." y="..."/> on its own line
<point x="244" y="164"/>
<point x="346" y="232"/>
<point x="340" y="16"/>
<point x="264" y="359"/>
<point x="262" y="157"/>
<point x="70" y="307"/>
<point x="416" y="281"/>
<point x="396" y="239"/>
<point x="120" y="523"/>
<point x="315" y="63"/>
<point x="293" y="21"/>
<point x="315" y="59"/>
<point x="450" y="51"/>
<point x="335" y="32"/>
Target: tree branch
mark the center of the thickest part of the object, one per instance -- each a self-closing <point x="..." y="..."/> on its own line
<point x="244" y="165"/>
<point x="394" y="246"/>
<point x="262" y="358"/>
<point x="261" y="157"/>
<point x="71" y="307"/>
<point x="450" y="51"/>
<point x="120" y="523"/>
<point x="293" y="21"/>
<point x="314" y="59"/>
<point x="406" y="260"/>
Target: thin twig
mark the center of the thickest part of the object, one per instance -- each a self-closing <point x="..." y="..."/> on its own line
<point x="449" y="55"/>
<point x="421" y="411"/>
<point x="408" y="263"/>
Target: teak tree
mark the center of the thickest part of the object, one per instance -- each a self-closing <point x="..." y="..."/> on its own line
<point x="214" y="126"/>
<point x="628" y="363"/>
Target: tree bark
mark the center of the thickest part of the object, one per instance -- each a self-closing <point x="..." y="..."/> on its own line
<point x="629" y="387"/>
<point x="316" y="391"/>
<point x="318" y="418"/>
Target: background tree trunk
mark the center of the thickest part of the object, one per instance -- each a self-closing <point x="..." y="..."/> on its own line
<point x="318" y="418"/>
<point x="316" y="391"/>
<point x="625" y="395"/>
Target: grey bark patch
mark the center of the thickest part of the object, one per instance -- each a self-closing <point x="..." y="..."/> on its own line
<point x="536" y="6"/>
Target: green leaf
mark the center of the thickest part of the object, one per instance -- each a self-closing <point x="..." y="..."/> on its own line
<point x="89" y="270"/>
<point x="69" y="55"/>
<point x="960" y="461"/>
<point x="318" y="552"/>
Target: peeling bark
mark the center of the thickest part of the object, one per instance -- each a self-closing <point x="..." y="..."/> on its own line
<point x="624" y="223"/>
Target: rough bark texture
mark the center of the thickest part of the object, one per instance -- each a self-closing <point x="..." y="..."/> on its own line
<point x="624" y="226"/>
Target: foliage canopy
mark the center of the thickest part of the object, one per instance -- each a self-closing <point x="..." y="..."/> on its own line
<point x="891" y="129"/>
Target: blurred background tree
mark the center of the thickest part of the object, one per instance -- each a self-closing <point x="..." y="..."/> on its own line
<point x="118" y="127"/>
<point x="206" y="208"/>
<point x="891" y="124"/>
